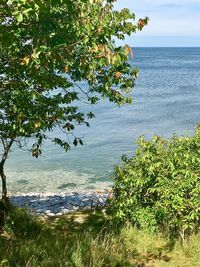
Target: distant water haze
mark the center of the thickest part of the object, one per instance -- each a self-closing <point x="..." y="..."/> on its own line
<point x="166" y="101"/>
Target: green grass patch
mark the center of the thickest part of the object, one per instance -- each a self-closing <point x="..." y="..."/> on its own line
<point x="87" y="239"/>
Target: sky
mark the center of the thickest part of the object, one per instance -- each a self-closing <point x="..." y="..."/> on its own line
<point x="172" y="22"/>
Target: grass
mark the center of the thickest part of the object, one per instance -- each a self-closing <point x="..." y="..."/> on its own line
<point x="87" y="239"/>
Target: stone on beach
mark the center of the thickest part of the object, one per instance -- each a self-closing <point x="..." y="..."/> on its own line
<point x="58" y="204"/>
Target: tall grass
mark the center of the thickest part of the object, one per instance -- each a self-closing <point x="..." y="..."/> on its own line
<point x="87" y="240"/>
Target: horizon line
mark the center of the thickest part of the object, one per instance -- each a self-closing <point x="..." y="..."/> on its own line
<point x="165" y="46"/>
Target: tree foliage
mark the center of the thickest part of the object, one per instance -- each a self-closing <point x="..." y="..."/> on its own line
<point x="159" y="188"/>
<point x="46" y="49"/>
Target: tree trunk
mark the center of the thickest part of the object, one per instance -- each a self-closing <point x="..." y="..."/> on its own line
<point x="3" y="178"/>
<point x="7" y="147"/>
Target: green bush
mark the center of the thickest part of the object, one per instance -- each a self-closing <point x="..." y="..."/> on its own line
<point x="159" y="188"/>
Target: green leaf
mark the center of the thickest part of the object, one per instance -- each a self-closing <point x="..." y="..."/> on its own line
<point x="19" y="17"/>
<point x="75" y="142"/>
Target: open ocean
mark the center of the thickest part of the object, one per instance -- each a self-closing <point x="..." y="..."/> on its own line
<point x="166" y="101"/>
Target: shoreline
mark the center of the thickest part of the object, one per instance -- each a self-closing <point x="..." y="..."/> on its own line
<point x="56" y="204"/>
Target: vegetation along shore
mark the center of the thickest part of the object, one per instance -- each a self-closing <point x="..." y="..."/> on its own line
<point x="59" y="58"/>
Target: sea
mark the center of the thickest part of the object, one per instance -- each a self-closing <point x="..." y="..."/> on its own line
<point x="166" y="100"/>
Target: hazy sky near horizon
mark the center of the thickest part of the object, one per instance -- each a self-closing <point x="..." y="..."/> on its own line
<point x="172" y="22"/>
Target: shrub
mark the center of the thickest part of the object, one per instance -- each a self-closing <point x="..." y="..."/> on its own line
<point x="160" y="187"/>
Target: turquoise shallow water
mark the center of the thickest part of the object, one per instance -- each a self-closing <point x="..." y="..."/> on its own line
<point x="166" y="101"/>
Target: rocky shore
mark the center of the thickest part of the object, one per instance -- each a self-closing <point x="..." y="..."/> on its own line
<point x="57" y="204"/>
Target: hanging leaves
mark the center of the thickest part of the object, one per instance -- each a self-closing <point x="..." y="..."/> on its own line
<point x="46" y="49"/>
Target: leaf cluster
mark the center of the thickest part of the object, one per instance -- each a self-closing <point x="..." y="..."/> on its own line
<point x="47" y="48"/>
<point x="159" y="188"/>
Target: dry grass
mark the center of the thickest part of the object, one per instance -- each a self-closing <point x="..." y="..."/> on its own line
<point x="87" y="240"/>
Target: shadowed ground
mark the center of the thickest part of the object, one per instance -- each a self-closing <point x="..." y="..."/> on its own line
<point x="60" y="203"/>
<point x="87" y="239"/>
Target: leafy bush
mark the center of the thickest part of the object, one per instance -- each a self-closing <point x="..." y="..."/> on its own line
<point x="160" y="187"/>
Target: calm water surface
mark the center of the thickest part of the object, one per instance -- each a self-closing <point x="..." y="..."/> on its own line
<point x="166" y="101"/>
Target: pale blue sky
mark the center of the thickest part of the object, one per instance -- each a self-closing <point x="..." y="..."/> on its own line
<point x="172" y="22"/>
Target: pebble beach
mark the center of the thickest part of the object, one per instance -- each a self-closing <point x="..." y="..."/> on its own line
<point x="50" y="204"/>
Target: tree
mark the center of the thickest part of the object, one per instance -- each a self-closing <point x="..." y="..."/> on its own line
<point x="46" y="49"/>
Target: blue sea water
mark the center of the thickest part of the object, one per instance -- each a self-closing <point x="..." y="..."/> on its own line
<point x="166" y="101"/>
